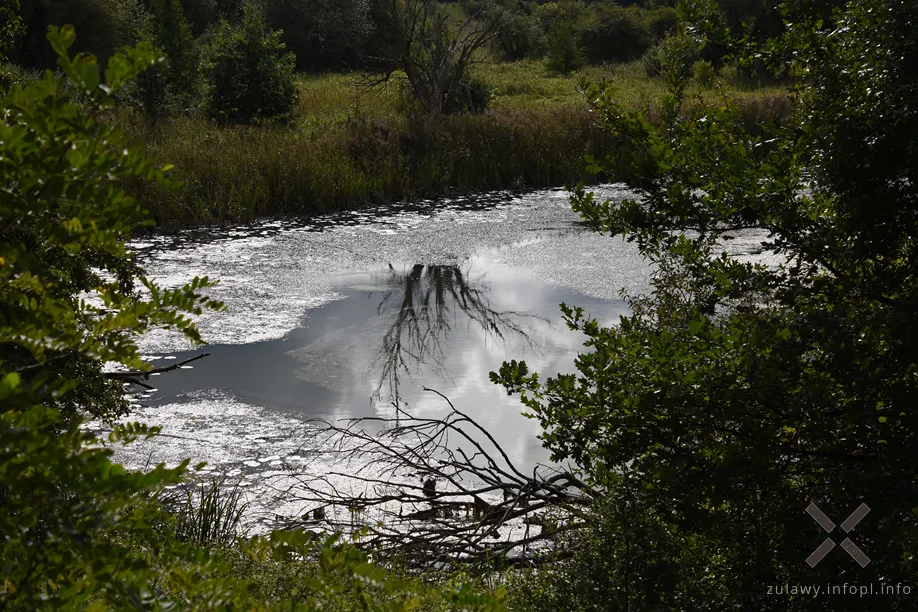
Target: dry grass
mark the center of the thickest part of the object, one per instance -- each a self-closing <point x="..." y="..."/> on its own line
<point x="351" y="145"/>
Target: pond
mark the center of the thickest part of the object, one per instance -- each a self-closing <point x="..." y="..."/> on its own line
<point x="354" y="315"/>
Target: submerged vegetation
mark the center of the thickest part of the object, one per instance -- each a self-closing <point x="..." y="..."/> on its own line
<point x="702" y="429"/>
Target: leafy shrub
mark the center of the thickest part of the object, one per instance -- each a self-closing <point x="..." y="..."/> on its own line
<point x="251" y="78"/>
<point x="567" y="13"/>
<point x="704" y="73"/>
<point x="78" y="531"/>
<point x="615" y="33"/>
<point x="65" y="221"/>
<point x="626" y="561"/>
<point x="675" y="54"/>
<point x="661" y="22"/>
<point x="202" y="14"/>
<point x="473" y="96"/>
<point x="737" y="393"/>
<point x="172" y="84"/>
<point x="13" y="74"/>
<point x="520" y="38"/>
<point x="565" y="53"/>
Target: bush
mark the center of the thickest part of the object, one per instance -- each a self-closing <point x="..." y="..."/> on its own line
<point x="251" y="78"/>
<point x="616" y="34"/>
<point x="13" y="74"/>
<point x="565" y="53"/>
<point x="737" y="394"/>
<point x="173" y="84"/>
<point x="77" y="531"/>
<point x="520" y="38"/>
<point x="473" y="96"/>
<point x="676" y="54"/>
<point x="704" y="73"/>
<point x="626" y="560"/>
<point x="661" y="22"/>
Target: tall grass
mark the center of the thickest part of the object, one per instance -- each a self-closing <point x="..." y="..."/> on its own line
<point x="351" y="146"/>
<point x="208" y="514"/>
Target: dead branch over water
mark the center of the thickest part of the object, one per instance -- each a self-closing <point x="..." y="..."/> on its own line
<point x="434" y="491"/>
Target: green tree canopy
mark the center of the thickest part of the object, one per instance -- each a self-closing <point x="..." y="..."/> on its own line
<point x="738" y="392"/>
<point x="251" y="76"/>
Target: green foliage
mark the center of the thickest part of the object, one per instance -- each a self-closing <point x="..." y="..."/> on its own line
<point x="78" y="531"/>
<point x="60" y="166"/>
<point x="605" y="31"/>
<point x="704" y="73"/>
<point x="661" y="21"/>
<point x="12" y="74"/>
<point x="629" y="559"/>
<point x="737" y="393"/>
<point x="105" y="26"/>
<point x="323" y="34"/>
<point x="520" y="38"/>
<point x="172" y="33"/>
<point x="174" y="83"/>
<point x="63" y="224"/>
<point x="11" y="25"/>
<point x="565" y="53"/>
<point x="673" y="57"/>
<point x="251" y="77"/>
<point x="616" y="34"/>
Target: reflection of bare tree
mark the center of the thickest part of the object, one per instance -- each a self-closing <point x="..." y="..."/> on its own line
<point x="429" y="301"/>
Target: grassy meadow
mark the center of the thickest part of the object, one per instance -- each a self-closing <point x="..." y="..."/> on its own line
<point x="351" y="144"/>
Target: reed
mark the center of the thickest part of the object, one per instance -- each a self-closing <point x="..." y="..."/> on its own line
<point x="353" y="146"/>
<point x="208" y="514"/>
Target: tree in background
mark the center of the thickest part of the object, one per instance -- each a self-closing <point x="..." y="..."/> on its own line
<point x="250" y="74"/>
<point x="435" y="56"/>
<point x="172" y="33"/>
<point x="11" y="25"/>
<point x="173" y="83"/>
<point x="565" y="52"/>
<point x="323" y="34"/>
<point x="738" y="393"/>
<point x="105" y="27"/>
<point x="616" y="34"/>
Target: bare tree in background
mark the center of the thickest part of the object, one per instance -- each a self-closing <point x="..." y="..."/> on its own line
<point x="433" y="54"/>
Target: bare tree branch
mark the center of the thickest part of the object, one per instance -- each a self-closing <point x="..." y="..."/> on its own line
<point x="433" y="55"/>
<point x="431" y="491"/>
<point x="135" y="376"/>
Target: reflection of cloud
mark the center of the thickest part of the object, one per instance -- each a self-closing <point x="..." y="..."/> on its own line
<point x="469" y="351"/>
<point x="425" y="306"/>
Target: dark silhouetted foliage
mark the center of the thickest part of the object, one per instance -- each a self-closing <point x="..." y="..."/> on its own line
<point x="250" y="73"/>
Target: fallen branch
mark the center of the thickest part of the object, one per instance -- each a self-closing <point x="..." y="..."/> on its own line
<point x="134" y="376"/>
<point x="435" y="491"/>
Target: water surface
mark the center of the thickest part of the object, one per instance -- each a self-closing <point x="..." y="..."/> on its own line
<point x="353" y="315"/>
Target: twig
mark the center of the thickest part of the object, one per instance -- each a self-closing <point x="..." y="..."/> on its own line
<point x="130" y="376"/>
